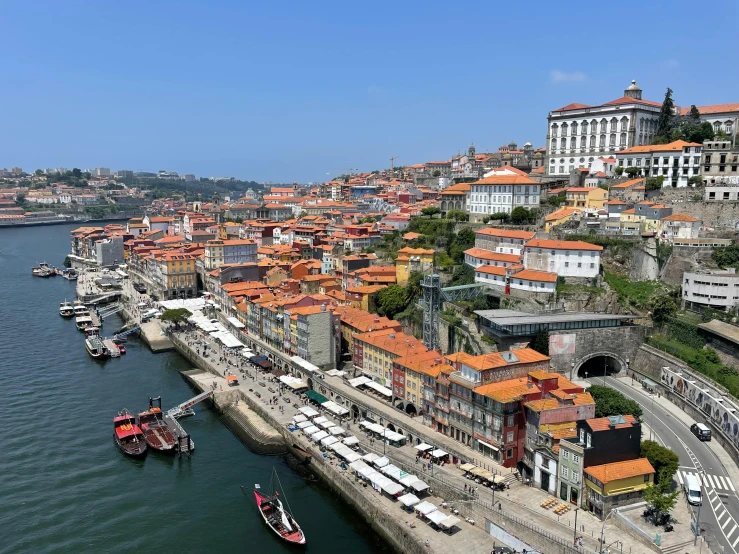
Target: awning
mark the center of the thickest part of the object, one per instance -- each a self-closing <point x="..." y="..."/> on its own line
<point x="490" y="446"/>
<point x="419" y="485"/>
<point x="235" y="322"/>
<point x="379" y="388"/>
<point x="449" y="522"/>
<point x="304" y="424"/>
<point x="299" y="418"/>
<point x="467" y="467"/>
<point x="392" y="471"/>
<point x="319" y="420"/>
<point x="381" y="462"/>
<point x="439" y="453"/>
<point x="334" y="408"/>
<point x="318" y="436"/>
<point x="317" y="397"/>
<point x="425" y="508"/>
<point x="277" y="372"/>
<point x="367" y="472"/>
<point x="407" y="480"/>
<point x="392" y="488"/>
<point x="328" y="441"/>
<point x="371" y="457"/>
<point x="349" y="441"/>
<point x="326" y="424"/>
<point x="310" y="430"/>
<point x="423" y="447"/>
<point x="359" y="464"/>
<point x="357" y="381"/>
<point x="304" y="364"/>
<point x="437" y="517"/>
<point x="337" y="431"/>
<point x="409" y="499"/>
<point x="297" y="384"/>
<point x="231" y="378"/>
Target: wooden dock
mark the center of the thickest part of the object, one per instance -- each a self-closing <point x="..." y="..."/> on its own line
<point x="112" y="348"/>
<point x="184" y="441"/>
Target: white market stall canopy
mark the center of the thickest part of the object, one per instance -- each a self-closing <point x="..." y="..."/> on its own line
<point x="295" y="384"/>
<point x="359" y="464"/>
<point x="467" y="467"/>
<point x="357" y="381"/>
<point x="318" y="436"/>
<point x="320" y="420"/>
<point x="328" y="441"/>
<point x="337" y="431"/>
<point x="392" y="488"/>
<point x="235" y="322"/>
<point x="393" y="436"/>
<point x="449" y="522"/>
<point x="423" y="447"/>
<point x="366" y="472"/>
<point x="349" y="441"/>
<point x="381" y="462"/>
<point x="392" y="471"/>
<point x="425" y="508"/>
<point x="438" y="453"/>
<point x="334" y="408"/>
<point x="408" y="479"/>
<point x="418" y="485"/>
<point x="375" y="428"/>
<point x="299" y="418"/>
<point x="335" y="373"/>
<point x="304" y="364"/>
<point x="310" y="430"/>
<point x="303" y="424"/>
<point x="437" y="517"/>
<point x="307" y="411"/>
<point x="409" y="500"/>
<point x="371" y="457"/>
<point x="379" y="388"/>
<point x="326" y="424"/>
<point x="190" y="304"/>
<point x="228" y="340"/>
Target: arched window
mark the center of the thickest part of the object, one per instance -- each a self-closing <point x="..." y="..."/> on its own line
<point x="717" y="126"/>
<point x="592" y="141"/>
<point x="614" y="125"/>
<point x="584" y="128"/>
<point x="574" y="129"/>
<point x="603" y="125"/>
<point x="624" y="123"/>
<point x="554" y="129"/>
<point x="563" y="142"/>
<point x="603" y="139"/>
<point x="554" y="143"/>
<point x="641" y="139"/>
<point x="613" y="139"/>
<point x="622" y="139"/>
<point x="729" y="125"/>
<point x="564" y="129"/>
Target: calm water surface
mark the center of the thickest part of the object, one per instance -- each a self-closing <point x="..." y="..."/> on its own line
<point x="65" y="487"/>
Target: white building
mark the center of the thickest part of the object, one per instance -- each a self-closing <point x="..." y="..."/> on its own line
<point x="676" y="162"/>
<point x="717" y="289"/>
<point x="476" y="257"/>
<point x="101" y="172"/>
<point x="725" y="189"/>
<point x="504" y="241"/>
<point x="679" y="226"/>
<point x="502" y="194"/>
<point x="565" y="258"/>
<point x="516" y="279"/>
<point x="723" y="117"/>
<point x="579" y="134"/>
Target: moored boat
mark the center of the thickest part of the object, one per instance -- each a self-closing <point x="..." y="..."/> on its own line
<point x="80" y="309"/>
<point x="276" y="516"/>
<point x="127" y="434"/>
<point x="40" y="272"/>
<point x="95" y="345"/>
<point x="66" y="309"/>
<point x="83" y="322"/>
<point x="156" y="432"/>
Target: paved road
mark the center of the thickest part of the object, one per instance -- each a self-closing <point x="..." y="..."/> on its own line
<point x="719" y="514"/>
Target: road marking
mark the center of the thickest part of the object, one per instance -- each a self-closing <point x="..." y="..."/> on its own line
<point x="731" y="485"/>
<point x="721" y="482"/>
<point x="710" y="480"/>
<point x="735" y="542"/>
<point x="725" y="525"/>
<point x="680" y="477"/>
<point x="732" y="530"/>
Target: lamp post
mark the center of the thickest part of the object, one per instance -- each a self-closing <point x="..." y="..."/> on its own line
<point x="574" y="532"/>
<point x="572" y="370"/>
<point x="602" y="531"/>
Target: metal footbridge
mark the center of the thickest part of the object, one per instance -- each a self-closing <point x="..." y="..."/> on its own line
<point x="124" y="334"/>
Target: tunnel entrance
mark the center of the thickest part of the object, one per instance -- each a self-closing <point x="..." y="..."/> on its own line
<point x="598" y="365"/>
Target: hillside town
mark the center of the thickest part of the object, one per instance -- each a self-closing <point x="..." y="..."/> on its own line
<point x="473" y="295"/>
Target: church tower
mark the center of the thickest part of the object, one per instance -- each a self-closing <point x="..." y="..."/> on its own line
<point x="471" y="152"/>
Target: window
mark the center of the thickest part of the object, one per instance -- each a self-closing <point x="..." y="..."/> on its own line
<point x="576" y="458"/>
<point x="587" y="440"/>
<point x="565" y="472"/>
<point x="511" y="421"/>
<point x="509" y="437"/>
<point x="566" y="454"/>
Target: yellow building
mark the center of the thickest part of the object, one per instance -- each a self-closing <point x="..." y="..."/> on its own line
<point x="410" y="260"/>
<point x="177" y="276"/>
<point x="586" y="198"/>
<point x="359" y="297"/>
<point x="374" y="353"/>
<point x="563" y="215"/>
<point x="618" y="484"/>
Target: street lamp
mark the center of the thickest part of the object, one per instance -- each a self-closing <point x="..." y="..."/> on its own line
<point x="602" y="530"/>
<point x="572" y="370"/>
<point x="574" y="532"/>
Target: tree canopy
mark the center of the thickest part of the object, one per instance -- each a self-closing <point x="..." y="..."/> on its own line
<point x="610" y="402"/>
<point x="663" y="460"/>
<point x="176" y="316"/>
<point x="660" y="497"/>
<point x="664" y="122"/>
<point x="463" y="275"/>
<point x="430" y="211"/>
<point x="541" y="342"/>
<point x="663" y="308"/>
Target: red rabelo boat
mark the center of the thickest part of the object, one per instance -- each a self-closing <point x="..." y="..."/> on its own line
<point x="157" y="434"/>
<point x="276" y="516"/>
<point x="127" y="434"/>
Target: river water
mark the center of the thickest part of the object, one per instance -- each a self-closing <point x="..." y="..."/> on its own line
<point x="64" y="485"/>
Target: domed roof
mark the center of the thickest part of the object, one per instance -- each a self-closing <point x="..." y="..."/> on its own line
<point x="633" y="86"/>
<point x="527" y="144"/>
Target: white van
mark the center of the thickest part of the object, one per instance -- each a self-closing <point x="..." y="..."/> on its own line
<point x="692" y="488"/>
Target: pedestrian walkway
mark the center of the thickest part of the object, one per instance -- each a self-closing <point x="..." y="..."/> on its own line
<point x="717" y="482"/>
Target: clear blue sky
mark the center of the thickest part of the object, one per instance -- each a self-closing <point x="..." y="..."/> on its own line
<point x="285" y="91"/>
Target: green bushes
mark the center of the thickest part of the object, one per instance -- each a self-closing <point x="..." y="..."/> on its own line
<point x="639" y="293"/>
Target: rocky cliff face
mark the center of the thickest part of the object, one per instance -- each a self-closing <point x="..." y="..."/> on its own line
<point x="644" y="264"/>
<point x="604" y="303"/>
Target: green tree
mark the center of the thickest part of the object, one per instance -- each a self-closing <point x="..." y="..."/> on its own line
<point x="660" y="497"/>
<point x="520" y="215"/>
<point x="176" y="316"/>
<point x="77" y="173"/>
<point x="695" y="181"/>
<point x="436" y="173"/>
<point x="619" y="170"/>
<point x="663" y="460"/>
<point x="463" y="275"/>
<point x="541" y="342"/>
<point x="430" y="211"/>
<point x="610" y="402"/>
<point x="726" y="257"/>
<point x="457" y="215"/>
<point x="39" y="172"/>
<point x="368" y="219"/>
<point x="413" y="289"/>
<point x="654" y="183"/>
<point x="391" y="300"/>
<point x="695" y="115"/>
<point x="444" y="261"/>
<point x="664" y="122"/>
<point x="632" y="171"/>
<point x="663" y="308"/>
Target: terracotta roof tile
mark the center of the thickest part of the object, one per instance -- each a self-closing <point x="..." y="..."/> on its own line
<point x="620" y="470"/>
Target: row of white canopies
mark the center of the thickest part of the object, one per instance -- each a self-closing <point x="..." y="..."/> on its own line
<point x="434" y="452"/>
<point x="370" y="384"/>
<point x="215" y="330"/>
<point x="381" y="431"/>
<point x="330" y="435"/>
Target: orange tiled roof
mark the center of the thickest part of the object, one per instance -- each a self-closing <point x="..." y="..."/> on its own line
<point x="506" y="180"/>
<point x="509" y="390"/>
<point x="492" y="256"/>
<point x="495" y="359"/>
<point x="492" y="269"/>
<point x="505" y="233"/>
<point x="533" y="275"/>
<point x="716" y="108"/>
<point x="603" y="423"/>
<point x="676" y="146"/>
<point x="620" y="470"/>
<point x="680" y="217"/>
<point x="627" y="184"/>
<point x="559" y="214"/>
<point x="562" y="245"/>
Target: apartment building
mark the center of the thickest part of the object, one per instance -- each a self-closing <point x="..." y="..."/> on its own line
<point x="718" y="289"/>
<point x="502" y="194"/>
<point x="565" y="258"/>
<point x="375" y="352"/>
<point x="313" y="333"/>
<point x="235" y="251"/>
<point x="677" y="161"/>
<point x="502" y="241"/>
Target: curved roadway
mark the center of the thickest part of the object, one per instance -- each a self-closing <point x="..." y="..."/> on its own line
<point x="719" y="514"/>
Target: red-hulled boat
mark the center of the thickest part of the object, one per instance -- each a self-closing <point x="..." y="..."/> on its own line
<point x="157" y="434"/>
<point x="127" y="434"/>
<point x="276" y="516"/>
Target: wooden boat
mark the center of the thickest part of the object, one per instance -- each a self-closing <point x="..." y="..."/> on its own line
<point x="301" y="454"/>
<point x="156" y="432"/>
<point x="66" y="309"/>
<point x="276" y="516"/>
<point x="83" y="322"/>
<point x="127" y="435"/>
